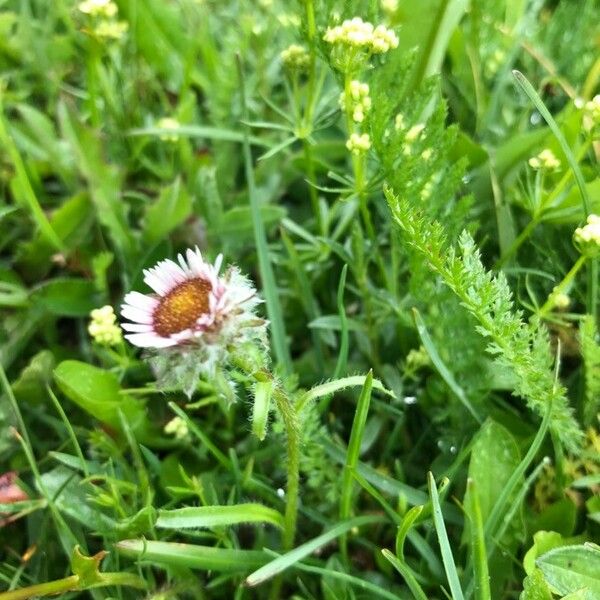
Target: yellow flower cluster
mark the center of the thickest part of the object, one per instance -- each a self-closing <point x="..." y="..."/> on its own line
<point x="358" y="143"/>
<point x="98" y="8"/>
<point x="360" y="101"/>
<point x="591" y="111"/>
<point x="177" y="427"/>
<point x="588" y="236"/>
<point x="170" y="125"/>
<point x="545" y="161"/>
<point x="103" y="326"/>
<point x="295" y="57"/>
<point x="103" y="12"/>
<point x="359" y="34"/>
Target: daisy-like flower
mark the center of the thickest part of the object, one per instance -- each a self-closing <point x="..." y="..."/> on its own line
<point x="191" y="304"/>
<point x="197" y="323"/>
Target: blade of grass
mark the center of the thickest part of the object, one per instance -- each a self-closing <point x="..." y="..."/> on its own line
<point x="358" y="429"/>
<point x="285" y="561"/>
<point x="407" y="574"/>
<point x="442" y="535"/>
<point x="480" y="559"/>
<point x="592" y="300"/>
<point x="271" y="292"/>
<point x="342" y="360"/>
<point x="440" y="366"/>
<point x="217" y="516"/>
<point x="27" y="195"/>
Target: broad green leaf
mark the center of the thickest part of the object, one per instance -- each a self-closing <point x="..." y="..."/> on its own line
<point x="572" y="568"/>
<point x="535" y="587"/>
<point x="98" y="393"/>
<point x="217" y="516"/>
<point x="494" y="457"/>
<point x="66" y="297"/>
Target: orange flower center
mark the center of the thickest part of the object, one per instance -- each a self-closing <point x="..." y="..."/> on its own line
<point x="181" y="307"/>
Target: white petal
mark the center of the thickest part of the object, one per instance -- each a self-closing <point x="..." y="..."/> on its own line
<point x="150" y="340"/>
<point x="137" y="327"/>
<point x="137" y="315"/>
<point x="138" y="300"/>
<point x="173" y="271"/>
<point x="194" y="259"/>
<point x="156" y="282"/>
<point x="181" y="336"/>
<point x="218" y="263"/>
<point x="183" y="264"/>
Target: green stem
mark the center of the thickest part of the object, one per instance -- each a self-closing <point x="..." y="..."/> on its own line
<point x="49" y="588"/>
<point x="563" y="285"/>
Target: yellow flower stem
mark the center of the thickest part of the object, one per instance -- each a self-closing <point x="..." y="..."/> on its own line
<point x="562" y="286"/>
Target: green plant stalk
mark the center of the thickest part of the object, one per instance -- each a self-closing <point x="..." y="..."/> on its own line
<point x="290" y="421"/>
<point x="280" y="346"/>
<point x="50" y="588"/>
<point x="289" y="415"/>
<point x="563" y="285"/>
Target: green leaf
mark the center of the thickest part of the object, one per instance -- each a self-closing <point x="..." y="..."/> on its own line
<point x="66" y="297"/>
<point x="260" y="408"/>
<point x="494" y="457"/>
<point x="98" y="393"/>
<point x="217" y="516"/>
<point x="573" y="568"/>
<point x="535" y="587"/>
<point x="193" y="556"/>
<point x="87" y="567"/>
<point x="170" y="210"/>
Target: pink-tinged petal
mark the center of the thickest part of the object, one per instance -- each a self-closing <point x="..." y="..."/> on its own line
<point x="137" y="315"/>
<point x="150" y="340"/>
<point x="194" y="259"/>
<point x="173" y="272"/>
<point x="137" y="327"/>
<point x="151" y="279"/>
<point x="142" y="301"/>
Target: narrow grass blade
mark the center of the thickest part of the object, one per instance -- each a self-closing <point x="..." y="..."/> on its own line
<point x="285" y="561"/>
<point x="353" y="452"/>
<point x="193" y="556"/>
<point x="357" y="582"/>
<point x="217" y="516"/>
<point x="210" y="133"/>
<point x="441" y="367"/>
<point x="477" y="540"/>
<point x="342" y="360"/>
<point x="204" y="439"/>
<point x="442" y="535"/>
<point x="407" y="522"/>
<point x="560" y="138"/>
<point x="280" y="347"/>
<point x="26" y="196"/>
<point x="407" y="574"/>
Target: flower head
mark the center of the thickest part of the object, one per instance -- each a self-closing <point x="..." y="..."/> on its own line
<point x="103" y="326"/>
<point x="191" y="302"/>
<point x="359" y="102"/>
<point x="170" y="125"/>
<point x="591" y="113"/>
<point x="194" y="321"/>
<point x="295" y="58"/>
<point x="177" y="427"/>
<point x="358" y="143"/>
<point x="114" y="30"/>
<point x="545" y="160"/>
<point x="98" y="8"/>
<point x="587" y="238"/>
